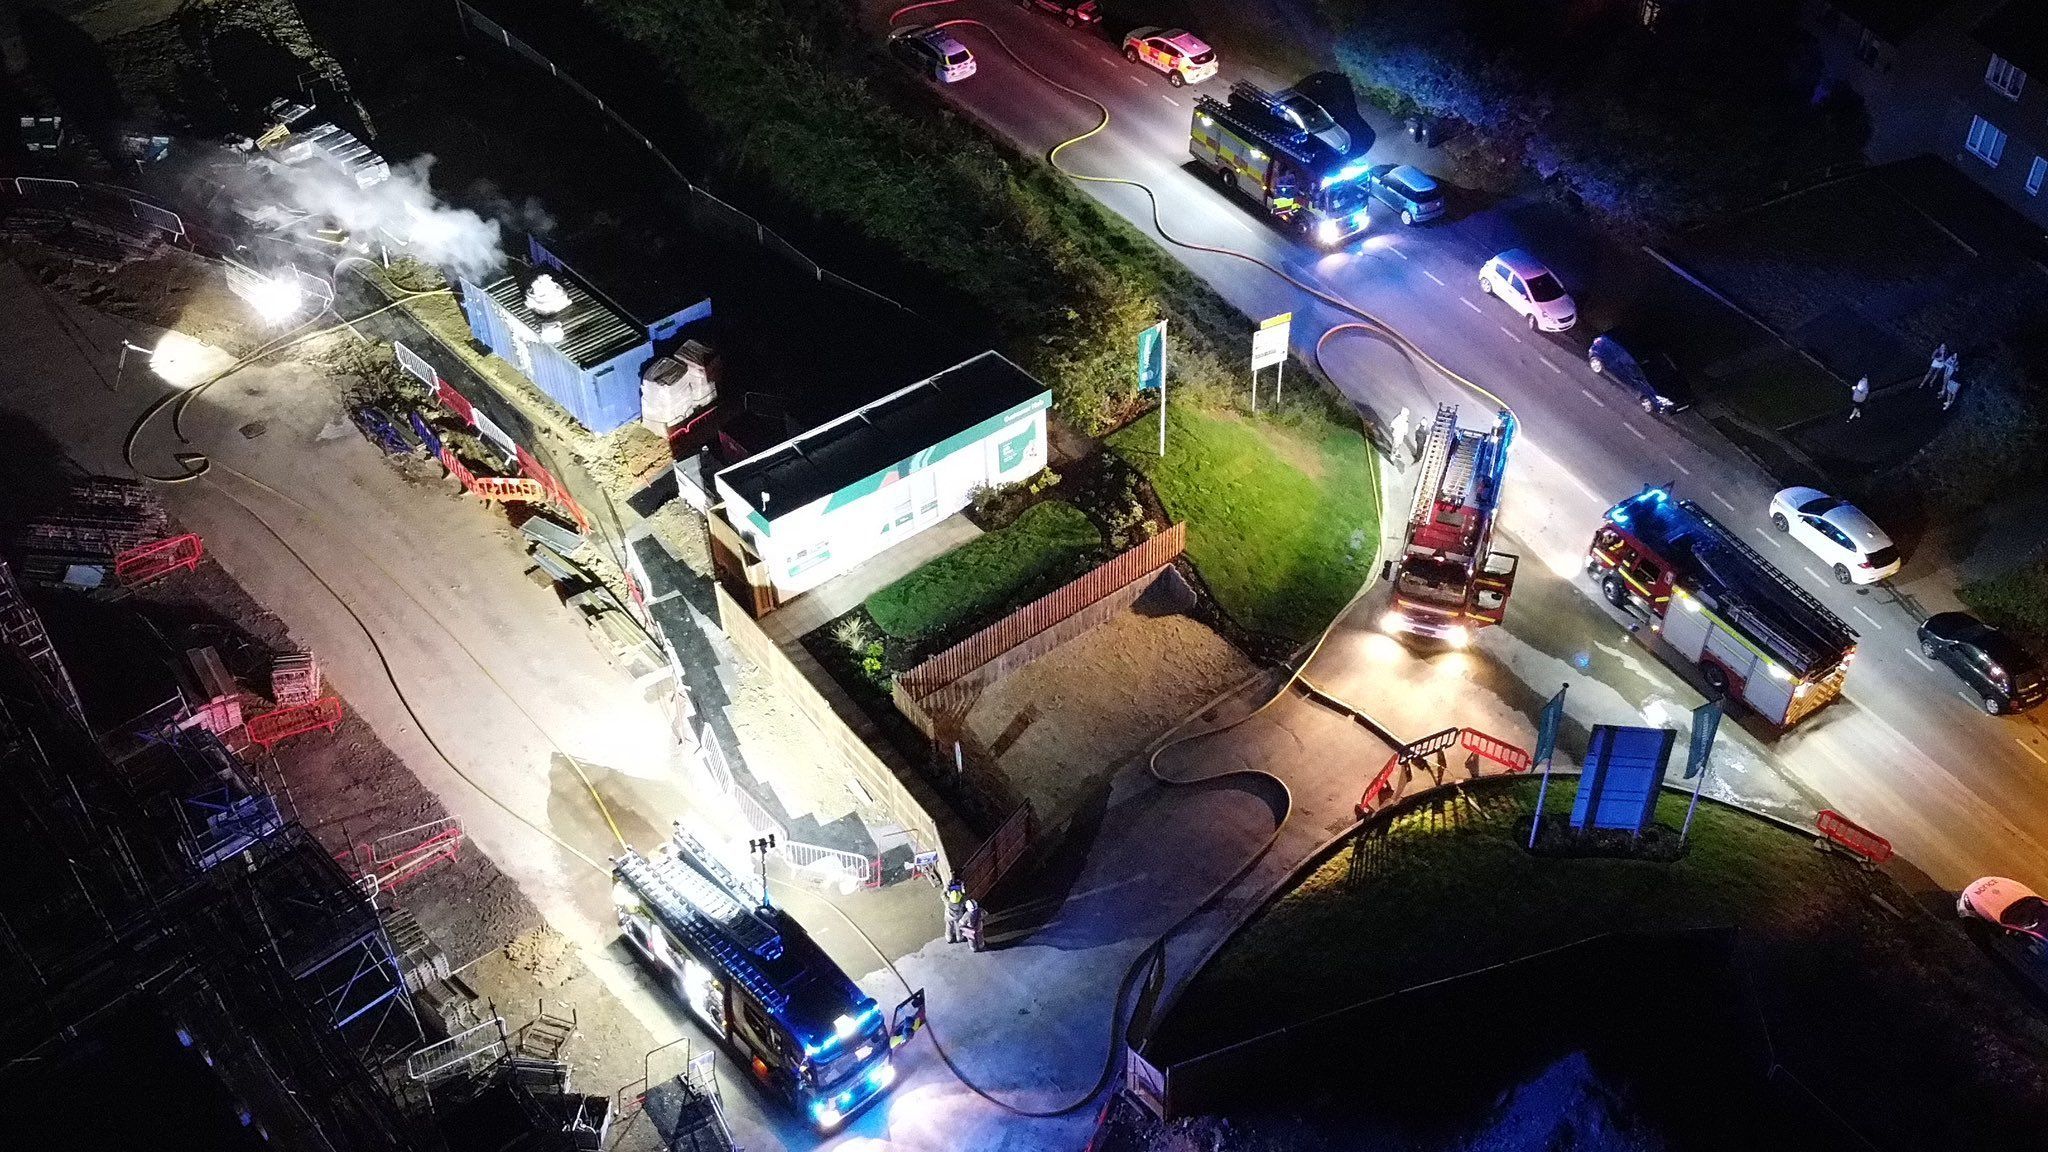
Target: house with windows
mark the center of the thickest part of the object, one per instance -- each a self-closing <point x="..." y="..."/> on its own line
<point x="1965" y="80"/>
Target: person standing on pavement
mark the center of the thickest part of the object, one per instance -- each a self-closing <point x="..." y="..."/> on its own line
<point x="1936" y="367"/>
<point x="956" y="911"/>
<point x="1397" y="434"/>
<point x="1858" y="393"/>
<point x="1950" y="385"/>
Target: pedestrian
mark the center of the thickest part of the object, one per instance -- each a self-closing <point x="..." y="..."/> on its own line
<point x="1935" y="367"/>
<point x="1418" y="437"/>
<point x="1397" y="433"/>
<point x="972" y="923"/>
<point x="956" y="911"/>
<point x="1948" y="369"/>
<point x="1858" y="393"/>
<point x="1949" y="387"/>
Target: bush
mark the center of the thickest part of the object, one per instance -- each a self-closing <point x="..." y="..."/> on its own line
<point x="985" y="573"/>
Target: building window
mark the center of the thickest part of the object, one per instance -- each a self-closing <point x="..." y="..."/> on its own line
<point x="2005" y="76"/>
<point x="2036" y="174"/>
<point x="1986" y="142"/>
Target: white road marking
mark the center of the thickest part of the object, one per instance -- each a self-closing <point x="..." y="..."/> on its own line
<point x="1404" y="256"/>
<point x="1439" y="283"/>
<point x="2029" y="750"/>
<point x="1677" y="465"/>
<point x="1552" y="366"/>
<point x="1773" y="538"/>
<point x="1810" y="572"/>
<point x="1965" y="698"/>
<point x="1593" y="398"/>
<point x="1134" y="78"/>
<point x="1723" y="500"/>
<point x="1468" y="303"/>
<point x="1869" y="617"/>
<point x="1634" y="429"/>
<point x="1169" y="99"/>
<point x="1928" y="664"/>
<point x="1510" y="332"/>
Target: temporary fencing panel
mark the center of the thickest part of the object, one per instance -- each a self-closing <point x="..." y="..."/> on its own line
<point x="418" y="368"/>
<point x="271" y="727"/>
<point x="172" y="223"/>
<point x="455" y="401"/>
<point x="1852" y="836"/>
<point x="146" y="563"/>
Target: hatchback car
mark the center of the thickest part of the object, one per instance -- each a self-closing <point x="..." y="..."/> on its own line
<point x="1312" y="120"/>
<point x="1406" y="189"/>
<point x="1074" y="12"/>
<point x="2007" y="904"/>
<point x="1181" y="55"/>
<point x="1634" y="360"/>
<point x="2001" y="673"/>
<point x="932" y="51"/>
<point x="1852" y="544"/>
<point x="1530" y="289"/>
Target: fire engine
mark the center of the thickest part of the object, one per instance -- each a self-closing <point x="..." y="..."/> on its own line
<point x="1755" y="635"/>
<point x="758" y="982"/>
<point x="1448" y="580"/>
<point x="1295" y="178"/>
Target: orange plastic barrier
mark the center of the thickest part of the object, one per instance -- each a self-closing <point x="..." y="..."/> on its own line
<point x="500" y="488"/>
<point x="146" y="563"/>
<point x="1497" y="750"/>
<point x="1852" y="836"/>
<point x="271" y="727"/>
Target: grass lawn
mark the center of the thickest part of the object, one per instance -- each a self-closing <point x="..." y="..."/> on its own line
<point x="1283" y="519"/>
<point x="2017" y="600"/>
<point x="981" y="574"/>
<point x="1779" y="390"/>
<point x="1885" y="1013"/>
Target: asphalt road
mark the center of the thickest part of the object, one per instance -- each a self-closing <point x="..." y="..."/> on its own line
<point x="1905" y="752"/>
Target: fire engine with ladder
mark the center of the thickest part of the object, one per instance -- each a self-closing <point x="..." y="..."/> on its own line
<point x="1448" y="581"/>
<point x="758" y="982"/>
<point x="1755" y="635"/>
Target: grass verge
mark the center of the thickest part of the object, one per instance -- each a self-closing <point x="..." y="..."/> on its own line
<point x="984" y="572"/>
<point x="2017" y="599"/>
<point x="1884" y="1008"/>
<point x="1282" y="514"/>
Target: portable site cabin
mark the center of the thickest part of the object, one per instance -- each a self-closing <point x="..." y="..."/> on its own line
<point x="572" y="340"/>
<point x="817" y="505"/>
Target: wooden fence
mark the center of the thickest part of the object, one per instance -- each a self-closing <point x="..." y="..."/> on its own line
<point x="1041" y="614"/>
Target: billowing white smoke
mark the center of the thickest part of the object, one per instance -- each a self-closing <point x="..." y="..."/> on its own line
<point x="402" y="207"/>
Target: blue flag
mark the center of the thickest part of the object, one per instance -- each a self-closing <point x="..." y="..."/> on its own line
<point x="1152" y="358"/>
<point x="1706" y="720"/>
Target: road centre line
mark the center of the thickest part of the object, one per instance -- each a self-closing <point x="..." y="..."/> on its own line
<point x="1404" y="256"/>
<point x="1593" y="398"/>
<point x="1677" y="465"/>
<point x="1510" y="332"/>
<point x="1550" y="364"/>
<point x="1439" y="283"/>
<point x="1722" y="499"/>
<point x="1810" y="572"/>
<point x="1134" y="78"/>
<point x="1773" y="538"/>
<point x="1924" y="661"/>
<point x="1169" y="99"/>
<point x="1869" y="617"/>
<point x="2028" y="749"/>
<point x="1632" y="428"/>
<point x="1468" y="303"/>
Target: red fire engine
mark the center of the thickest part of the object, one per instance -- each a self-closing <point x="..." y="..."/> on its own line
<point x="1448" y="581"/>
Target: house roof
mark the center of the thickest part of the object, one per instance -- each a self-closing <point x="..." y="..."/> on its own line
<point x="1890" y="20"/>
<point x="2018" y="31"/>
<point x="593" y="332"/>
<point x="876" y="436"/>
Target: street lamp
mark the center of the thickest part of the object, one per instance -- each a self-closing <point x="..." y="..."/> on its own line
<point x="759" y="848"/>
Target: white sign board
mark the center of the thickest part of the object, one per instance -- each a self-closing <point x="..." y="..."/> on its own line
<point x="1269" y="343"/>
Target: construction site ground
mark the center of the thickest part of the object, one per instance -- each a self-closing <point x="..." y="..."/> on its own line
<point x="1060" y="725"/>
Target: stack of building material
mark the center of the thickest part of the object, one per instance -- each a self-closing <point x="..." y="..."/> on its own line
<point x="295" y="679"/>
<point x="213" y="698"/>
<point x="100" y="518"/>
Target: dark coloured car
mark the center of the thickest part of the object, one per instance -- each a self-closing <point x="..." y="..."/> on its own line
<point x="1074" y="12"/>
<point x="2001" y="673"/>
<point x="1408" y="190"/>
<point x="1635" y="360"/>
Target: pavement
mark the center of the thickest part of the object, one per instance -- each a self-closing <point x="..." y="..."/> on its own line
<point x="1904" y="753"/>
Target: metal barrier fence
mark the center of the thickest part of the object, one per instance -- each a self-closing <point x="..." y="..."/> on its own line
<point x="801" y="856"/>
<point x="419" y="368"/>
<point x="737" y="220"/>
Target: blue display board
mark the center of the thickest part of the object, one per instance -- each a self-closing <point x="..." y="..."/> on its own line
<point x="1624" y="772"/>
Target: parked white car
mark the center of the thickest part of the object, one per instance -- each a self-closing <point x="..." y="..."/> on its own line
<point x="1836" y="531"/>
<point x="1530" y="289"/>
<point x="1181" y="55"/>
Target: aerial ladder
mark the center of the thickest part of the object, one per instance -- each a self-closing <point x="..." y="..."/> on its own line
<point x="1448" y="581"/>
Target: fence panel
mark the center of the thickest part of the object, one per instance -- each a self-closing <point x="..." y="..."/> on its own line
<point x="994" y="858"/>
<point x="172" y="223"/>
<point x="1043" y="613"/>
<point x="412" y="362"/>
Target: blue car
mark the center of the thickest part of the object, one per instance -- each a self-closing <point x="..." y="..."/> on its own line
<point x="1406" y="189"/>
